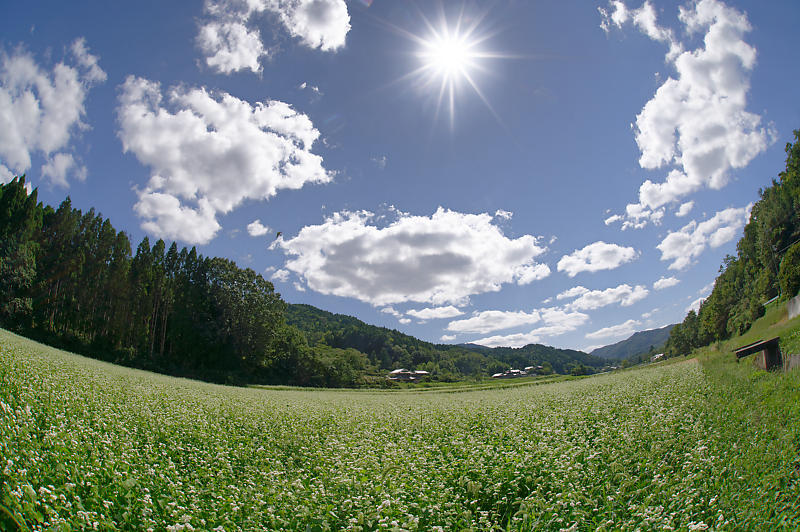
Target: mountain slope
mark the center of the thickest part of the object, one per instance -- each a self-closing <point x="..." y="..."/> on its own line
<point x="638" y="343"/>
<point x="388" y="348"/>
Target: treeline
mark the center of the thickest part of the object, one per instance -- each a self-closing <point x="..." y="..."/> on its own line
<point x="387" y="349"/>
<point x="767" y="265"/>
<point x="71" y="280"/>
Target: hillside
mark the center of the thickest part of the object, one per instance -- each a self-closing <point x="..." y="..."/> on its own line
<point x="637" y="344"/>
<point x="388" y="348"/>
<point x="766" y="265"/>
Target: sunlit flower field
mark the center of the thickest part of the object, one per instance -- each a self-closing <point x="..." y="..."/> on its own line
<point x="88" y="445"/>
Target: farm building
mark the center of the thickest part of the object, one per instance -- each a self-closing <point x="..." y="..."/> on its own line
<point x="407" y="375"/>
<point x="510" y="374"/>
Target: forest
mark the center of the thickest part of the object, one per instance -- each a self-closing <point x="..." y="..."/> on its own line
<point x="71" y="280"/>
<point x="766" y="266"/>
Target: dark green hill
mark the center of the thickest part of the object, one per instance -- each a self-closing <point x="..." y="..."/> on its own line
<point x="389" y="348"/>
<point x="638" y="343"/>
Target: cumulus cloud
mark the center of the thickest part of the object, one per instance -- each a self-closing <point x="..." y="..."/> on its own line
<point x="41" y="109"/>
<point x="231" y="40"/>
<point x="494" y="320"/>
<point x="623" y="294"/>
<point x="616" y="331"/>
<point x="231" y="46"/>
<point x="684" y="245"/>
<point x="447" y="338"/>
<point x="696" y="124"/>
<point x="208" y="152"/>
<point x="665" y="282"/>
<point x="556" y="322"/>
<point x="684" y="209"/>
<point x="575" y="291"/>
<point x="435" y="313"/>
<point x="280" y="275"/>
<point x="256" y="228"/>
<point x="439" y="259"/>
<point x="594" y="257"/>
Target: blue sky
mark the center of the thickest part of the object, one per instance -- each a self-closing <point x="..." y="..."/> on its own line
<point x="503" y="172"/>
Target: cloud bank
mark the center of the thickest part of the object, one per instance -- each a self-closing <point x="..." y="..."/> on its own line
<point x="40" y="111"/>
<point x="696" y="125"/>
<point x="231" y="41"/>
<point x="439" y="259"/>
<point x="209" y="152"/>
<point x="686" y="244"/>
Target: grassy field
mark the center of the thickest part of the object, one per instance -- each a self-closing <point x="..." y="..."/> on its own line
<point x="695" y="444"/>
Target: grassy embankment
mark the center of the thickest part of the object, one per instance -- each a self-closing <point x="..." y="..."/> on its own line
<point x="687" y="444"/>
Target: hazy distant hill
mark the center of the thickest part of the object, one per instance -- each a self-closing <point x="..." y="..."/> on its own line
<point x="388" y="348"/>
<point x="638" y="343"/>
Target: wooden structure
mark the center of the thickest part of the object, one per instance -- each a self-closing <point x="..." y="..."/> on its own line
<point x="769" y="353"/>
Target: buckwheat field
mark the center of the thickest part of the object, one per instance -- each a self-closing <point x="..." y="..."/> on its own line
<point x="88" y="445"/>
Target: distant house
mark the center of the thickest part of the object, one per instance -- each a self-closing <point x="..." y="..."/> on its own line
<point x="406" y="375"/>
<point x="657" y="357"/>
<point x="536" y="369"/>
<point x="510" y="374"/>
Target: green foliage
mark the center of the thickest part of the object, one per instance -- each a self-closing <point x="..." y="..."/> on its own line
<point x="388" y="349"/>
<point x="767" y="263"/>
<point x="20" y="219"/>
<point x="789" y="275"/>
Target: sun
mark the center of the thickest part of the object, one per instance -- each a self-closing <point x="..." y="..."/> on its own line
<point x="451" y="57"/>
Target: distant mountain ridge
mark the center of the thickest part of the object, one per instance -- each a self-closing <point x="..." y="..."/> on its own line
<point x="389" y="348"/>
<point x="638" y="343"/>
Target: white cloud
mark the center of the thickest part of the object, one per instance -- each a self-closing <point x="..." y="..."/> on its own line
<point x="256" y="228"/>
<point x="319" y="24"/>
<point x="594" y="257"/>
<point x="494" y="320"/>
<point x="617" y="331"/>
<point x="435" y="313"/>
<point x="280" y="275"/>
<point x="684" y="209"/>
<point x="665" y="282"/>
<point x="58" y="167"/>
<point x="404" y="321"/>
<point x="391" y="311"/>
<point x="231" y="46"/>
<point x="231" y="41"/>
<point x="623" y="294"/>
<point x="695" y="306"/>
<point x="684" y="245"/>
<point x="40" y="110"/>
<point x="696" y="122"/>
<point x="557" y="322"/>
<point x="575" y="291"/>
<point x="441" y="259"/>
<point x="166" y="218"/>
<point x="613" y="219"/>
<point x="707" y="288"/>
<point x="503" y="215"/>
<point x="447" y="338"/>
<point x="213" y="151"/>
